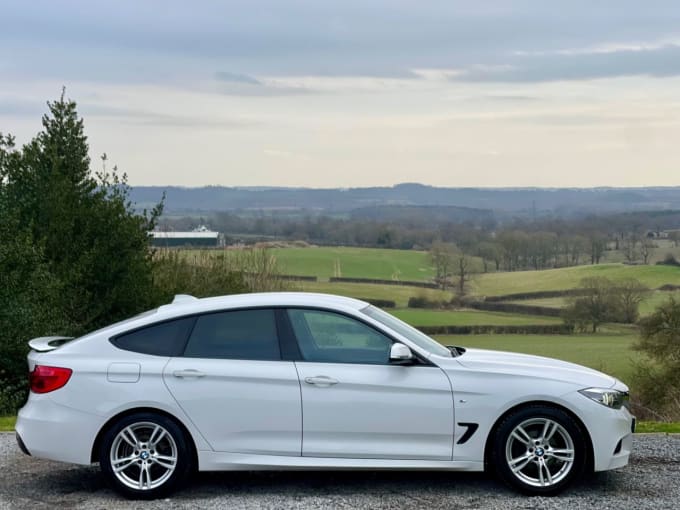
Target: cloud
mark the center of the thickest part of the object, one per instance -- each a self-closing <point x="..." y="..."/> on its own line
<point x="145" y="117"/>
<point x="659" y="61"/>
<point x="236" y="78"/>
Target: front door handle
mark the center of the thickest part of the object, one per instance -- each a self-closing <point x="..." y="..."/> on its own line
<point x="321" y="380"/>
<point x="190" y="372"/>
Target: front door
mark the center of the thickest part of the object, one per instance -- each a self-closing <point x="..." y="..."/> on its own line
<point x="356" y="404"/>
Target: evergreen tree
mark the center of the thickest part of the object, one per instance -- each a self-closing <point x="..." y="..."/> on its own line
<point x="74" y="254"/>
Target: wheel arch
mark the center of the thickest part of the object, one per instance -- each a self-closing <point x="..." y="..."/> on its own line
<point x="94" y="455"/>
<point x="590" y="454"/>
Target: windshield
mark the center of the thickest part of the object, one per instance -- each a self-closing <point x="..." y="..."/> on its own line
<point x="409" y="332"/>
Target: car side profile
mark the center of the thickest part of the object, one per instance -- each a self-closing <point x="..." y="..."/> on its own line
<point x="279" y="381"/>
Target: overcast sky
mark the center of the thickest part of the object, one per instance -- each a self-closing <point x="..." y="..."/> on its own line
<point x="355" y="93"/>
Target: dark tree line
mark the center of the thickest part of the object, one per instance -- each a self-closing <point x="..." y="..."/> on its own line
<point x="509" y="245"/>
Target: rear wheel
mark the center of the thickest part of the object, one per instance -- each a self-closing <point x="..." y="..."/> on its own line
<point x="145" y="456"/>
<point x="539" y="450"/>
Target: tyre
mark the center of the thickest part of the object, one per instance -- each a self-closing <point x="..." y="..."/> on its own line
<point x="539" y="450"/>
<point x="145" y="456"/>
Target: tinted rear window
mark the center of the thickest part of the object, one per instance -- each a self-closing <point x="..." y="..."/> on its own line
<point x="239" y="334"/>
<point x="164" y="339"/>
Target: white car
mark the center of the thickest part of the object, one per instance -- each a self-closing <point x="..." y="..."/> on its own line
<point x="310" y="381"/>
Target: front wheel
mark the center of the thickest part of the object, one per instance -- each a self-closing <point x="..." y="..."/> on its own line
<point x="145" y="456"/>
<point x="539" y="450"/>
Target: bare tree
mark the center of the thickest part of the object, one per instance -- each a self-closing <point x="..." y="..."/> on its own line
<point x="442" y="257"/>
<point x="629" y="293"/>
<point x="646" y="248"/>
<point x="629" y="248"/>
<point x="462" y="270"/>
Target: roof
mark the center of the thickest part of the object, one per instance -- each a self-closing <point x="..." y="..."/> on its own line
<point x="184" y="235"/>
<point x="187" y="304"/>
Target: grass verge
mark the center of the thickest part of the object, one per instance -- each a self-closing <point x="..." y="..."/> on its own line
<point x="646" y="427"/>
<point x="7" y="423"/>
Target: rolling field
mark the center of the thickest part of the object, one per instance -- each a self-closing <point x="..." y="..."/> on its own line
<point x="494" y="284"/>
<point x="397" y="293"/>
<point x="325" y="262"/>
<point x="417" y="317"/>
<point x="646" y="307"/>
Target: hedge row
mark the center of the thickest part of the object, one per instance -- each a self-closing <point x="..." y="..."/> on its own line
<point x="529" y="329"/>
<point x="408" y="283"/>
<point x="514" y="308"/>
<point x="423" y="302"/>
<point x="535" y="295"/>
<point x="380" y="303"/>
<point x="297" y="277"/>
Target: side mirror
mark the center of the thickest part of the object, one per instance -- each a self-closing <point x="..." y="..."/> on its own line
<point x="400" y="353"/>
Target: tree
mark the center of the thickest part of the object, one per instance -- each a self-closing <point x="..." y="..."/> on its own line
<point x="75" y="254"/>
<point x="462" y="271"/>
<point x="628" y="294"/>
<point x="674" y="236"/>
<point x="629" y="247"/>
<point x="646" y="248"/>
<point x="658" y="383"/>
<point x="442" y="256"/>
<point x="596" y="306"/>
<point x="92" y="238"/>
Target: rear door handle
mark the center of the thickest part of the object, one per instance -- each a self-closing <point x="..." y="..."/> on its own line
<point x="190" y="372"/>
<point x="321" y="380"/>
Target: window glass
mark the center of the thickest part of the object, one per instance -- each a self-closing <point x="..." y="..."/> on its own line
<point x="164" y="339"/>
<point x="334" y="338"/>
<point x="417" y="337"/>
<point x="240" y="334"/>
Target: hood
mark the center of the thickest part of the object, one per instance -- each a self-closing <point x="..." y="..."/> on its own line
<point x="534" y="366"/>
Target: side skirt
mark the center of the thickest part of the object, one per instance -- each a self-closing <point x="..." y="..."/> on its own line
<point x="222" y="461"/>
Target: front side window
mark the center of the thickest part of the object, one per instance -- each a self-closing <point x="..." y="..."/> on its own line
<point x="415" y="336"/>
<point x="238" y="334"/>
<point x="163" y="339"/>
<point x="334" y="338"/>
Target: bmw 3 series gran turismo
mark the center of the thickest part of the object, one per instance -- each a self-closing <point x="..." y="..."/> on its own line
<point x="306" y="381"/>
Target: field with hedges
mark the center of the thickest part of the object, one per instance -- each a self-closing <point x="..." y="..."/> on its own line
<point x="608" y="350"/>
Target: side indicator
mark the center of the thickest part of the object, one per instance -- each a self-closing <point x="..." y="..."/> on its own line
<point x="471" y="429"/>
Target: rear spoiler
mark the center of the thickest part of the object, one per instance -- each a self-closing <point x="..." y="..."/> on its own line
<point x="48" y="343"/>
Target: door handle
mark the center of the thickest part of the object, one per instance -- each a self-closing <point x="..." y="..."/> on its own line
<point x="190" y="372"/>
<point x="321" y="380"/>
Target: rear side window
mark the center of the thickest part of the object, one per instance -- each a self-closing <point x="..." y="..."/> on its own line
<point x="239" y="334"/>
<point x="164" y="339"/>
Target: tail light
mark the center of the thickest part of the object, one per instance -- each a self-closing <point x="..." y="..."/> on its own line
<point x="45" y="379"/>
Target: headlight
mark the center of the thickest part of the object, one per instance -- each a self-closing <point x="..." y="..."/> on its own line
<point x="607" y="397"/>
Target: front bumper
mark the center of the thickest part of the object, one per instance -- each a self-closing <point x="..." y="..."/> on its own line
<point x="610" y="430"/>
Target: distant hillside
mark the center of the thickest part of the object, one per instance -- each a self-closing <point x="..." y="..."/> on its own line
<point x="517" y="201"/>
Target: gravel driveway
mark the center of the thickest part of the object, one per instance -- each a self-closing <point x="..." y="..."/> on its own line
<point x="652" y="480"/>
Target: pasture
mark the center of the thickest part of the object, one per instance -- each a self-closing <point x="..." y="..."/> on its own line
<point x="325" y="262"/>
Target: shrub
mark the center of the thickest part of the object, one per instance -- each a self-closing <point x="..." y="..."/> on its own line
<point x="669" y="260"/>
<point x="658" y="378"/>
<point x="425" y="302"/>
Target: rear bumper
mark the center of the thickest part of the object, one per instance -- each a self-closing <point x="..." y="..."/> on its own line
<point x="22" y="446"/>
<point x="48" y="430"/>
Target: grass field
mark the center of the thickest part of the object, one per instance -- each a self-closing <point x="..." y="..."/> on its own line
<point x="646" y="307"/>
<point x="609" y="352"/>
<point x="325" y="262"/>
<point x="397" y="293"/>
<point x="417" y="317"/>
<point x="494" y="284"/>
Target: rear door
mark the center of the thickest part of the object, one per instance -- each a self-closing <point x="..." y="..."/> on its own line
<point x="356" y="404"/>
<point x="234" y="386"/>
